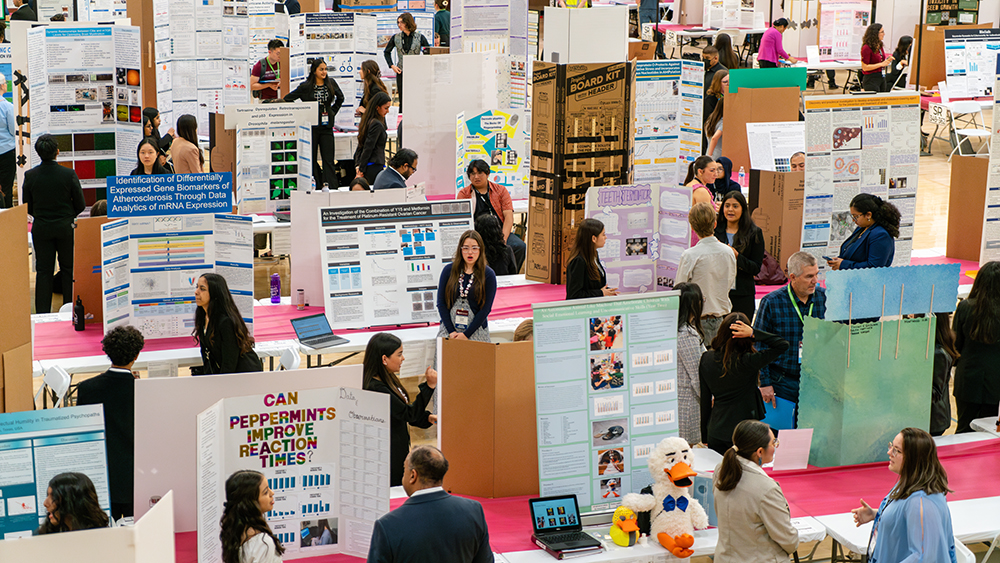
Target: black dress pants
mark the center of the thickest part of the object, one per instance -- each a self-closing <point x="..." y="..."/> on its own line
<point x="967" y="412"/>
<point x="7" y="169"/>
<point x="322" y="145"/>
<point x="50" y="240"/>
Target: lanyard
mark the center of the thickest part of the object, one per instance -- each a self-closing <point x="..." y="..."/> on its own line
<point x="795" y="304"/>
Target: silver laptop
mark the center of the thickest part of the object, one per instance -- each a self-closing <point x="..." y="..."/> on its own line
<point x="314" y="331"/>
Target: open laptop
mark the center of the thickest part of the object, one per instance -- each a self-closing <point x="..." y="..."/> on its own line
<point x="556" y="524"/>
<point x="314" y="331"/>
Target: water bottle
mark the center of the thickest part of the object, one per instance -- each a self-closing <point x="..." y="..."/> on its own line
<point x="79" y="316"/>
<point x="275" y="288"/>
<point x="743" y="178"/>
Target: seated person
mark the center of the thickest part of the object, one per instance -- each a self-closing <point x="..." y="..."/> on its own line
<point x="402" y="165"/>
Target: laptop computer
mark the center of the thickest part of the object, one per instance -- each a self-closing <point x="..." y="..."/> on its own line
<point x="557" y="527"/>
<point x="314" y="331"/>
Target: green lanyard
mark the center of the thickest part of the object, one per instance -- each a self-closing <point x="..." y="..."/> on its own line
<point x="795" y="304"/>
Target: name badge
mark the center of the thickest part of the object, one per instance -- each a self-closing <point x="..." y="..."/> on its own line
<point x="324" y="118"/>
<point x="461" y="319"/>
<point x="800" y="352"/>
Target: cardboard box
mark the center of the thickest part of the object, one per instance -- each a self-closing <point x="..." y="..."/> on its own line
<point x="15" y="301"/>
<point x="641" y="50"/>
<point x="88" y="284"/>
<point x="582" y="136"/>
<point x="776" y="207"/>
<point x="754" y="105"/>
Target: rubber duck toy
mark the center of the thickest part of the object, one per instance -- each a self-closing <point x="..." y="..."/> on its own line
<point x="624" y="528"/>
<point x="673" y="514"/>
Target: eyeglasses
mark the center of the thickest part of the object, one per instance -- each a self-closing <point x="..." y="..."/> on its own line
<point x="777" y="442"/>
<point x="893" y="450"/>
<point x="856" y="216"/>
<point x="470" y="249"/>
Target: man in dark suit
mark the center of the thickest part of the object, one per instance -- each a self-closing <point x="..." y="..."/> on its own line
<point x="431" y="526"/>
<point x="402" y="165"/>
<point x="114" y="389"/>
<point x="23" y="12"/>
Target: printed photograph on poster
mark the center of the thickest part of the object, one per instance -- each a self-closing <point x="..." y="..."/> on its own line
<point x="607" y="333"/>
<point x="611" y="488"/>
<point x="610" y="432"/>
<point x="636" y="246"/>
<point x="610" y="461"/>
<point x="606" y="372"/>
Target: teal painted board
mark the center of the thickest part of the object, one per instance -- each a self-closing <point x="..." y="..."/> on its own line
<point x="916" y="282"/>
<point x="767" y="78"/>
<point x="856" y="411"/>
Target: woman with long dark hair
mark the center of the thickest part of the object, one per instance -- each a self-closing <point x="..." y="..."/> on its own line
<point x="371" y="77"/>
<point x="71" y="504"/>
<point x="499" y="256"/>
<point x="226" y="344"/>
<point x="945" y="356"/>
<point x="184" y="150"/>
<point x="466" y="291"/>
<point x="319" y="87"/>
<point x="713" y="131"/>
<point x="873" y="59"/>
<point x="727" y="55"/>
<point x="245" y="534"/>
<point x="690" y="347"/>
<point x="872" y="244"/>
<point x="913" y="522"/>
<point x="383" y="360"/>
<point x="408" y="41"/>
<point x="754" y="520"/>
<point x="369" y="157"/>
<point x="149" y="158"/>
<point x="977" y="340"/>
<point x="901" y="58"/>
<point x="585" y="276"/>
<point x="735" y="228"/>
<point x="729" y="378"/>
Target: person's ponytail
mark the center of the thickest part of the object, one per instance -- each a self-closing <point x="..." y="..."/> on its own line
<point x="888" y="218"/>
<point x="748" y="437"/>
<point x="730" y="472"/>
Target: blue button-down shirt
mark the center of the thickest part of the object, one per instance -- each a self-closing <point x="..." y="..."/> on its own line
<point x="8" y="120"/>
<point x="777" y="315"/>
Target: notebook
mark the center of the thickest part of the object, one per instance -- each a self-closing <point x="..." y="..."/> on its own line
<point x="556" y="524"/>
<point x="314" y="331"/>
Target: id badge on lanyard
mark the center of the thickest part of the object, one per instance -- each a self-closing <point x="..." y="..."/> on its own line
<point x="324" y="117"/>
<point x="462" y="316"/>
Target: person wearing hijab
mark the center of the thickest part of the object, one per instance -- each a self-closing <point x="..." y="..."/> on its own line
<point x="724" y="182"/>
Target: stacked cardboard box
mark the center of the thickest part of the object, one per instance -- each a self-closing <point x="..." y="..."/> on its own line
<point x="776" y="207"/>
<point x="582" y="133"/>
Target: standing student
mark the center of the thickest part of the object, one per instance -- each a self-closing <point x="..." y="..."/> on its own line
<point x="369" y="157"/>
<point x="226" y="344"/>
<point x="770" y="51"/>
<point x="23" y="12"/>
<point x="690" y="348"/>
<point x="710" y="264"/>
<point x="492" y="198"/>
<point x="873" y="59"/>
<point x="319" y="87"/>
<point x="701" y="173"/>
<point x="371" y="77"/>
<point x="466" y="291"/>
<point x="729" y="379"/>
<point x="913" y="522"/>
<point x="162" y="141"/>
<point x="115" y="391"/>
<point x="724" y="182"/>
<point x="499" y="256"/>
<point x="735" y="228"/>
<point x="383" y="360"/>
<point x="713" y="131"/>
<point x="442" y="23"/>
<point x="896" y="76"/>
<point x="245" y="534"/>
<point x="977" y="340"/>
<point x="266" y="73"/>
<point x="184" y="150"/>
<point x="71" y="505"/>
<point x="715" y="92"/>
<point x="54" y="199"/>
<point x="727" y="55"/>
<point x="945" y="356"/>
<point x="149" y="159"/>
<point x="710" y="56"/>
<point x="872" y="244"/>
<point x="585" y="276"/>
<point x="408" y="41"/>
<point x="8" y="127"/>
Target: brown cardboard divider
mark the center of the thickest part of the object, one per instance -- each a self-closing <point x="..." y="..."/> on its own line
<point x="776" y="200"/>
<point x="966" y="201"/>
<point x="15" y="302"/>
<point x="88" y="284"/>
<point x="487" y="426"/>
<point x="754" y="105"/>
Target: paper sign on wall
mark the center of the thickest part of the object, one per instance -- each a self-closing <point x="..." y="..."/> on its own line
<point x="501" y="138"/>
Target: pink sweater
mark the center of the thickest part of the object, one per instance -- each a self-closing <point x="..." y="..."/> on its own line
<point x="770" y="46"/>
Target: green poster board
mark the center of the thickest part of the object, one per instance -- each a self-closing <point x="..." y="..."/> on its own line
<point x="767" y="78"/>
<point x="856" y="410"/>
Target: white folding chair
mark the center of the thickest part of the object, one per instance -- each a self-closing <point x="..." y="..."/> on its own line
<point x="963" y="554"/>
<point x="58" y="381"/>
<point x="66" y="307"/>
<point x="964" y="126"/>
<point x="290" y="359"/>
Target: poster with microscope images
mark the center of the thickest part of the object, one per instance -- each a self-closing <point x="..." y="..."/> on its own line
<point x="92" y="105"/>
<point x="605" y="393"/>
<point x="668" y="126"/>
<point x="324" y="454"/>
<point x="855" y="145"/>
<point x="381" y="263"/>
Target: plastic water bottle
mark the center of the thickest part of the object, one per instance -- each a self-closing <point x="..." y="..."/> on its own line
<point x="743" y="178"/>
<point x="275" y="288"/>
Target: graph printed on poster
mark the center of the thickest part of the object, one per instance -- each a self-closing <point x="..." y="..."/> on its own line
<point x="989" y="249"/>
<point x="970" y="62"/>
<point x="324" y="453"/>
<point x="381" y="263"/>
<point x="668" y="127"/>
<point x="501" y="139"/>
<point x="93" y="110"/>
<point x="605" y="393"/>
<point x="721" y="14"/>
<point x="37" y="446"/>
<point x="492" y="26"/>
<point x="858" y="145"/>
<point x="647" y="231"/>
<point x="842" y="25"/>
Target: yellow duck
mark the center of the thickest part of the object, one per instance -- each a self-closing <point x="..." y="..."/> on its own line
<point x="624" y="528"/>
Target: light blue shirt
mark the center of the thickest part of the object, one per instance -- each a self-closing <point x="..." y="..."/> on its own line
<point x="8" y="117"/>
<point x="914" y="529"/>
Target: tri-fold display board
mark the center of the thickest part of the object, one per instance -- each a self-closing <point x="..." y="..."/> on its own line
<point x="502" y="139"/>
<point x="668" y="112"/>
<point x="970" y="62"/>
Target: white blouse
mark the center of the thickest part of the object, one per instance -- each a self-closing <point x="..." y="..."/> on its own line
<point x="259" y="549"/>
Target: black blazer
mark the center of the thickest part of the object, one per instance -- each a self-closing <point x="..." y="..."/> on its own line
<point x="578" y="282"/>
<point x="401" y="414"/>
<point x="748" y="263"/>
<point x="114" y="390"/>
<point x="222" y="355"/>
<point x="976" y="377"/>
<point x="306" y="91"/>
<point x="53" y="195"/>
<point x="373" y="149"/>
<point x="435" y="527"/>
<point x="737" y="396"/>
<point x="24" y="13"/>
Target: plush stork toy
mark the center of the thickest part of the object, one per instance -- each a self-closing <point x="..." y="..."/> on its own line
<point x="673" y="514"/>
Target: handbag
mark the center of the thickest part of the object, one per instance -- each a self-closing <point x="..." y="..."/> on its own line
<point x="770" y="272"/>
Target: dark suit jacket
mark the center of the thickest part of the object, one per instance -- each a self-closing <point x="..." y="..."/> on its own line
<point x="432" y="528"/>
<point x="53" y="195"/>
<point x="306" y="92"/>
<point x="749" y="261"/>
<point x="874" y="248"/>
<point x="222" y="355"/>
<point x="976" y="379"/>
<point x="115" y="390"/>
<point x="401" y="414"/>
<point x="372" y="151"/>
<point x="578" y="282"/>
<point x="24" y="13"/>
<point x="388" y="179"/>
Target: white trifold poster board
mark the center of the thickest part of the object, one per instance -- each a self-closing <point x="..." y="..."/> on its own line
<point x="970" y="62"/>
<point x="842" y="26"/>
<point x="772" y="144"/>
<point x="668" y="105"/>
<point x="502" y="139"/>
<point x="324" y="453"/>
<point x="273" y="153"/>
<point x="728" y="14"/>
<point x="586" y="36"/>
<point x="495" y="26"/>
<point x="990" y="246"/>
<point x="858" y="144"/>
<point x="92" y="104"/>
<point x="382" y="263"/>
<point x="37" y="446"/>
<point x="151" y="266"/>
